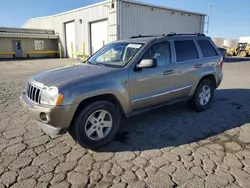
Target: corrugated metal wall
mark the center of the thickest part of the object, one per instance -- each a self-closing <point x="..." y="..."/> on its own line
<point x="140" y="19"/>
<point x="27" y="45"/>
<point x="87" y="14"/>
<point x="134" y="19"/>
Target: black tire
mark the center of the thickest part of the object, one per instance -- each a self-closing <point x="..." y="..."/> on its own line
<point x="78" y="125"/>
<point x="195" y="103"/>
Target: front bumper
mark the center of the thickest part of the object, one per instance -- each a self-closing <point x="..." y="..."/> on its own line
<point x="57" y="117"/>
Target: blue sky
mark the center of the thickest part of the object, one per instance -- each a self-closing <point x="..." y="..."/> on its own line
<point x="229" y="18"/>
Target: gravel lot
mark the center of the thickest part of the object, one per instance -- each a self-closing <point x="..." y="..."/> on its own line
<point x="169" y="147"/>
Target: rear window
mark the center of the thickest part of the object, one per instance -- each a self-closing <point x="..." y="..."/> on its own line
<point x="185" y="50"/>
<point x="207" y="49"/>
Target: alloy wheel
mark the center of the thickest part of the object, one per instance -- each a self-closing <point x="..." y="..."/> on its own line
<point x="204" y="95"/>
<point x="98" y="125"/>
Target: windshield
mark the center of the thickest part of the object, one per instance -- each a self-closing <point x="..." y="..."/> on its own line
<point x="115" y="54"/>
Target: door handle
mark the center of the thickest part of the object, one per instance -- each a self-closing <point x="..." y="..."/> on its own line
<point x="198" y="66"/>
<point x="168" y="72"/>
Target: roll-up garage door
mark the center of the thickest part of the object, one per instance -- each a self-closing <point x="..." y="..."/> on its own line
<point x="70" y="37"/>
<point x="99" y="35"/>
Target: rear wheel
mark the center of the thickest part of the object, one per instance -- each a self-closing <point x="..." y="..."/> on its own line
<point x="243" y="54"/>
<point x="203" y="96"/>
<point x="96" y="125"/>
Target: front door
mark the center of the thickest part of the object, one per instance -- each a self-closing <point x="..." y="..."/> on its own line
<point x="153" y="86"/>
<point x="17" y="48"/>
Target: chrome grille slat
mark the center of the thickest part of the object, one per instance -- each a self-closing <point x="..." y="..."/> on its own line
<point x="30" y="93"/>
<point x="39" y="97"/>
<point x="36" y="90"/>
<point x="33" y="93"/>
<point x="29" y="88"/>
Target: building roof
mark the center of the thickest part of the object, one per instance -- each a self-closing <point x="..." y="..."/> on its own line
<point x="128" y="1"/>
<point x="27" y="33"/>
<point x="162" y="7"/>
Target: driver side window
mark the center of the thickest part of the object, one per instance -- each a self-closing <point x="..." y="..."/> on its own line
<point x="161" y="52"/>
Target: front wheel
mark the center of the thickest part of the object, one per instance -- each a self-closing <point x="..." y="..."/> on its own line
<point x="96" y="125"/>
<point x="243" y="54"/>
<point x="203" y="96"/>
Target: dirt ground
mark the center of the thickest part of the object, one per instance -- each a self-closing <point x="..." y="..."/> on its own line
<point x="169" y="147"/>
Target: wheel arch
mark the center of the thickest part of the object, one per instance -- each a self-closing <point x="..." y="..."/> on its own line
<point x="103" y="97"/>
<point x="209" y="77"/>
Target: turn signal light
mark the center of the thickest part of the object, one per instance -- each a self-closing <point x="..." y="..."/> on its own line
<point x="59" y="99"/>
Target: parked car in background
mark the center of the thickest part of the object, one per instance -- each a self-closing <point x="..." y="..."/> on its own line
<point x="122" y="79"/>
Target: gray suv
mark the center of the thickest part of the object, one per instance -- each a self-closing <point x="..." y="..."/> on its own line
<point x="122" y="79"/>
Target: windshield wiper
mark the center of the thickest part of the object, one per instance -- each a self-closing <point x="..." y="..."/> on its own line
<point x="96" y="63"/>
<point x="101" y="64"/>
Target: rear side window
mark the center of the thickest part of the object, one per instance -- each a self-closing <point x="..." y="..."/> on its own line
<point x="185" y="50"/>
<point x="206" y="48"/>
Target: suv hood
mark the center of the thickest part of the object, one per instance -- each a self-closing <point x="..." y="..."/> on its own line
<point x="66" y="74"/>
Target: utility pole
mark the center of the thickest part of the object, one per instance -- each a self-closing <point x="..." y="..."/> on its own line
<point x="208" y="17"/>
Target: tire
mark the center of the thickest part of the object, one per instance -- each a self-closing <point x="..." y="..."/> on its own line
<point x="82" y="124"/>
<point x="243" y="53"/>
<point x="195" y="103"/>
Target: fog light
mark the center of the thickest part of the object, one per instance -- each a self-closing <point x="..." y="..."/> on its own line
<point x="43" y="116"/>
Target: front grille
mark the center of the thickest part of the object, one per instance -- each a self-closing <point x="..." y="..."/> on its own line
<point x="33" y="93"/>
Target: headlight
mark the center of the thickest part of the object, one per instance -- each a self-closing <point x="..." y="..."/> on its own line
<point x="50" y="96"/>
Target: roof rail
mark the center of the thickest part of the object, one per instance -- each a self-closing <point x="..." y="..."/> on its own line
<point x="143" y="36"/>
<point x="169" y="35"/>
<point x="185" y="34"/>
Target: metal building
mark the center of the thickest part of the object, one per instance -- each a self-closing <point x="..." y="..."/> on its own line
<point x="21" y="43"/>
<point x="230" y="43"/>
<point x="244" y="40"/>
<point x="87" y="29"/>
<point x="219" y="42"/>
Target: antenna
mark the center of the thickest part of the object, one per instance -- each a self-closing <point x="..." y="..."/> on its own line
<point x="208" y="17"/>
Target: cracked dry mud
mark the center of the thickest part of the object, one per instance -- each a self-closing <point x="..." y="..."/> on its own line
<point x="169" y="147"/>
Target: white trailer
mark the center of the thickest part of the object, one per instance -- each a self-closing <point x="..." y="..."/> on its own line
<point x="111" y="20"/>
<point x="244" y="40"/>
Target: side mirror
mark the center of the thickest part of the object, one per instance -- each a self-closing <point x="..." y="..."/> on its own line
<point x="147" y="63"/>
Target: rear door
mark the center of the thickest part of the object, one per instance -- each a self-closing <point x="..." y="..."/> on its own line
<point x="188" y="62"/>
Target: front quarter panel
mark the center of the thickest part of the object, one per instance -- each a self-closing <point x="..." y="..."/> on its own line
<point x="115" y="83"/>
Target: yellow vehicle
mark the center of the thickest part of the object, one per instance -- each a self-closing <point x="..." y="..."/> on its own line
<point x="243" y="50"/>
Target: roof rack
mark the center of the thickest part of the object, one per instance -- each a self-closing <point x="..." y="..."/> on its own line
<point x="186" y="34"/>
<point x="144" y="36"/>
<point x="169" y="35"/>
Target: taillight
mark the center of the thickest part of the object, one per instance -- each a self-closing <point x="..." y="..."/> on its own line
<point x="220" y="63"/>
